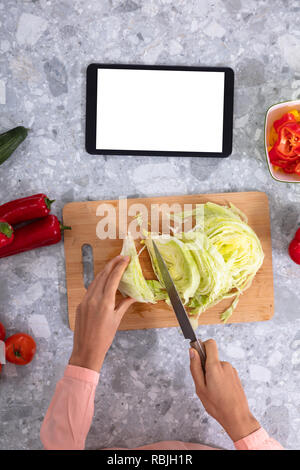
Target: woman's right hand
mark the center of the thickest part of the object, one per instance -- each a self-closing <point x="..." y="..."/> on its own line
<point x="221" y="393"/>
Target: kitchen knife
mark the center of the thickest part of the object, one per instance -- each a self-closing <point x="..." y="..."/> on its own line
<point x="182" y="316"/>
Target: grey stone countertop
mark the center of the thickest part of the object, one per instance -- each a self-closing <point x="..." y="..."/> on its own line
<point x="146" y="393"/>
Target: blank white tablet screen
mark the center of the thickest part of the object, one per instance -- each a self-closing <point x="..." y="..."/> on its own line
<point x="160" y="110"/>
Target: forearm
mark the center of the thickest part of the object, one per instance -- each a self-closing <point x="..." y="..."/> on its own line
<point x="69" y="416"/>
<point x="238" y="425"/>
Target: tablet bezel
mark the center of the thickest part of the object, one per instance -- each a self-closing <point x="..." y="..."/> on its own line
<point x="91" y="111"/>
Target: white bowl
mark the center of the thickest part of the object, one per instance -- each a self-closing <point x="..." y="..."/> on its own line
<point x="275" y="112"/>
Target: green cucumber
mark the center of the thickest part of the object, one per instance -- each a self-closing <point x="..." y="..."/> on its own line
<point x="10" y="140"/>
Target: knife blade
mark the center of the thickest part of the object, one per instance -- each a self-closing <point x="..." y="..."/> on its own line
<point x="178" y="307"/>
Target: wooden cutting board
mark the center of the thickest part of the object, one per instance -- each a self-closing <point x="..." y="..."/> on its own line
<point x="256" y="304"/>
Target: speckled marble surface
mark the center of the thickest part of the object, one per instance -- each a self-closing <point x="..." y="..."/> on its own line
<point x="146" y="393"/>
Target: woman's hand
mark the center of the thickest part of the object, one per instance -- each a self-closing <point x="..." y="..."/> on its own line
<point x="98" y="318"/>
<point x="221" y="393"/>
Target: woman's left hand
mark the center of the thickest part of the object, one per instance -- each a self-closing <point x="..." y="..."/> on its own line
<point x="98" y="317"/>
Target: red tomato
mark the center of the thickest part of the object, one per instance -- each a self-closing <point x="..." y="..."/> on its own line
<point x="297" y="235"/>
<point x="2" y="332"/>
<point x="294" y="248"/>
<point x="20" y="349"/>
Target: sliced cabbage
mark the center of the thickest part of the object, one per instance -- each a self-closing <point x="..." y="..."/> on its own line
<point x="212" y="268"/>
<point x="216" y="260"/>
<point x="158" y="291"/>
<point x="133" y="284"/>
<point x="180" y="263"/>
<point x="239" y="246"/>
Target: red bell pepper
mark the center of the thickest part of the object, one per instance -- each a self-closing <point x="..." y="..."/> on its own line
<point x="2" y="332"/>
<point x="294" y="248"/>
<point x="6" y="233"/>
<point x="287" y="117"/>
<point x="42" y="232"/>
<point x="26" y="208"/>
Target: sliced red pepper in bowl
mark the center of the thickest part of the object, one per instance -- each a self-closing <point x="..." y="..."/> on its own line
<point x="277" y="159"/>
<point x="287" y="117"/>
<point x="290" y="167"/>
<point x="288" y="143"/>
<point x="285" y="152"/>
<point x="297" y="169"/>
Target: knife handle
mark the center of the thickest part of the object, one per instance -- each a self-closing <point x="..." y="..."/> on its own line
<point x="200" y="348"/>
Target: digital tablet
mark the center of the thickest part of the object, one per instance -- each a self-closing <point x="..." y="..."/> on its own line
<point x="159" y="110"/>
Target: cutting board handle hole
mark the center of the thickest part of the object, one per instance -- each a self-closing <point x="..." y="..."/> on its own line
<point x="87" y="264"/>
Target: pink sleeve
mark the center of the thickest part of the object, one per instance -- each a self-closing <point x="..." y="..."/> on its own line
<point x="69" y="416"/>
<point x="258" y="440"/>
